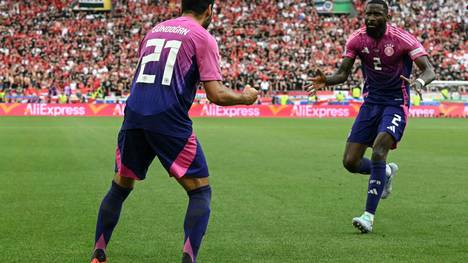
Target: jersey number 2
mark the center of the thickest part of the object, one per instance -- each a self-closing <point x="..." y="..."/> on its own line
<point x="377" y="63"/>
<point x="396" y="120"/>
<point x="158" y="45"/>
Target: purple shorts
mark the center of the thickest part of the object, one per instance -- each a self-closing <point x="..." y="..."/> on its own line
<point x="136" y="149"/>
<point x="374" y="119"/>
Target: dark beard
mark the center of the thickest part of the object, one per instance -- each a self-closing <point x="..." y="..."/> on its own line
<point x="206" y="23"/>
<point x="376" y="33"/>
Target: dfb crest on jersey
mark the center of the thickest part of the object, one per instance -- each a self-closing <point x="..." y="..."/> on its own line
<point x="389" y="51"/>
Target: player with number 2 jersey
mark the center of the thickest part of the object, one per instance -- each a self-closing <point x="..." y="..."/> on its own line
<point x="387" y="54"/>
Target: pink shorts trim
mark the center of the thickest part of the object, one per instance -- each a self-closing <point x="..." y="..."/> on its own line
<point x="185" y="158"/>
<point x="122" y="170"/>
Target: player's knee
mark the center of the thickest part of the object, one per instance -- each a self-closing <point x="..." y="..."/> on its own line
<point x="379" y="153"/>
<point x="191" y="184"/>
<point x="124" y="181"/>
<point x="200" y="200"/>
<point x="350" y="164"/>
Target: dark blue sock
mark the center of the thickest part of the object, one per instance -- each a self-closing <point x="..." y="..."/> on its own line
<point x="109" y="214"/>
<point x="364" y="166"/>
<point x="196" y="220"/>
<point x="377" y="182"/>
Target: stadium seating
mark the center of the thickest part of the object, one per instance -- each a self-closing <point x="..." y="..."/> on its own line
<point x="47" y="49"/>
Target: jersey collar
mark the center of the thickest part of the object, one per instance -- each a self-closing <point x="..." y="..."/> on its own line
<point x="387" y="30"/>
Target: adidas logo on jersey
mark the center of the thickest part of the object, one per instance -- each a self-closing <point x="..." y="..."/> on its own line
<point x="373" y="191"/>
<point x="392" y="128"/>
<point x="365" y="50"/>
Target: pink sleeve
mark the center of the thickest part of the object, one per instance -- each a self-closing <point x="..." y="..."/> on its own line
<point x="208" y="58"/>
<point x="141" y="46"/>
<point x="352" y="48"/>
<point x="412" y="46"/>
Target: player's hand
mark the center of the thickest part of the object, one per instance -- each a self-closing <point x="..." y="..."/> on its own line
<point x="250" y="95"/>
<point x="416" y="85"/>
<point x="318" y="83"/>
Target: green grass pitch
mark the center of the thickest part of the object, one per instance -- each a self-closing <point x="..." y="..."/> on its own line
<point x="280" y="194"/>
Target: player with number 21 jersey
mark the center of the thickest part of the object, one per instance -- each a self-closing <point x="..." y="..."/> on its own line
<point x="174" y="58"/>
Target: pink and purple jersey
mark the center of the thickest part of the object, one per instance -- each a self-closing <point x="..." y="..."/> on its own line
<point x="383" y="61"/>
<point x="174" y="57"/>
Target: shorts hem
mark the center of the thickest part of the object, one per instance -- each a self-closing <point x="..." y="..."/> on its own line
<point x="130" y="176"/>
<point x="363" y="143"/>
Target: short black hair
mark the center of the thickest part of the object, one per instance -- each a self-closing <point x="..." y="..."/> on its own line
<point x="380" y="2"/>
<point x="196" y="6"/>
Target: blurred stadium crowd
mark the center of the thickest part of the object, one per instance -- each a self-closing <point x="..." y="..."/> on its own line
<point x="50" y="53"/>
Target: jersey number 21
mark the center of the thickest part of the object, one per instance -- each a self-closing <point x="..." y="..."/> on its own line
<point x="158" y="44"/>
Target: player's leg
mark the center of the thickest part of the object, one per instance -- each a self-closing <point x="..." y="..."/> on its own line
<point x="197" y="215"/>
<point x="363" y="132"/>
<point x="354" y="160"/>
<point x="377" y="181"/>
<point x="195" y="182"/>
<point x="382" y="145"/>
<point x="109" y="213"/>
<point x="184" y="160"/>
<point x="133" y="157"/>
<point x="391" y="130"/>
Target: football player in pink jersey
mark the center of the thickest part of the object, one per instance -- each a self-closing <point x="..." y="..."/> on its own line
<point x="174" y="57"/>
<point x="387" y="54"/>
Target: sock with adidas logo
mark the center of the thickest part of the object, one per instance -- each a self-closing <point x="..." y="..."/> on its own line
<point x="377" y="182"/>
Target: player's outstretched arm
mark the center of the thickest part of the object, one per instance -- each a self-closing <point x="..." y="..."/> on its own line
<point x="340" y="76"/>
<point x="426" y="77"/>
<point x="218" y="94"/>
